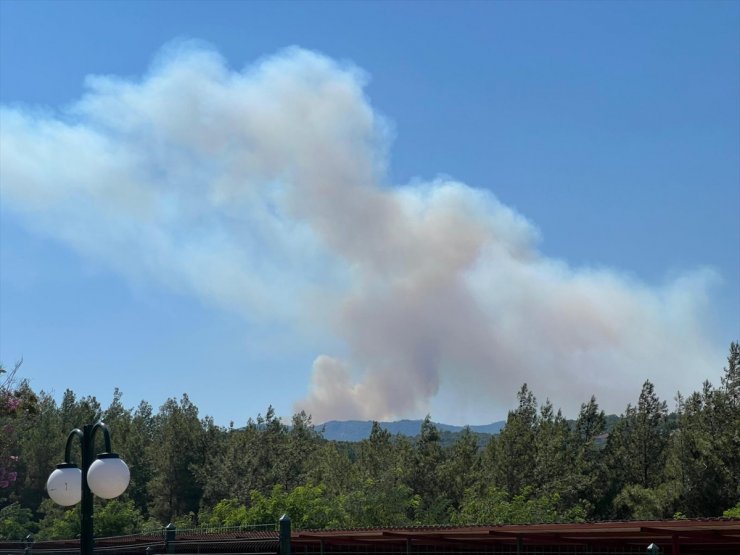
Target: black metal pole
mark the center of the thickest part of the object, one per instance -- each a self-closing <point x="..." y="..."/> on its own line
<point x="87" y="541"/>
<point x="285" y="535"/>
<point x="29" y="544"/>
<point x="170" y="532"/>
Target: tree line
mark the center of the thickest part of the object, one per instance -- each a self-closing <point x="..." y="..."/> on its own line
<point x="541" y="467"/>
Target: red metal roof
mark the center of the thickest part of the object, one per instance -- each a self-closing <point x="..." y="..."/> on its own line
<point x="674" y="537"/>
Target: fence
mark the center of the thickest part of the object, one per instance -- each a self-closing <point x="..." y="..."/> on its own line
<point x="677" y="537"/>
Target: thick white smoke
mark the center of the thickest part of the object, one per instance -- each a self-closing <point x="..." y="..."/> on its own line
<point x="264" y="191"/>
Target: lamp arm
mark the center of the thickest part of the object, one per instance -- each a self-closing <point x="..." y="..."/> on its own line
<point x="74" y="433"/>
<point x="100" y="425"/>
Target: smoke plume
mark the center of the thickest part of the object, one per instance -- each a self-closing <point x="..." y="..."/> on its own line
<point x="264" y="191"/>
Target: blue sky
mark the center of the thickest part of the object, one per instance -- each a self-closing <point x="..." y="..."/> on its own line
<point x="604" y="136"/>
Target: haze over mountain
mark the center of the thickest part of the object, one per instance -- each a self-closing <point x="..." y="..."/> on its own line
<point x="357" y="430"/>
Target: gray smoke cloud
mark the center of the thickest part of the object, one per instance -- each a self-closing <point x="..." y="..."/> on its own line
<point x="264" y="191"/>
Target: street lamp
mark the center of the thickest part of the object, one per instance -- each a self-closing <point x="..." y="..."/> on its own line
<point x="106" y="476"/>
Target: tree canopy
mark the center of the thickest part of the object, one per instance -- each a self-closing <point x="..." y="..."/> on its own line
<point x="645" y="463"/>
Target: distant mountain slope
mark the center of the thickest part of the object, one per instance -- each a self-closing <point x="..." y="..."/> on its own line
<point x="357" y="430"/>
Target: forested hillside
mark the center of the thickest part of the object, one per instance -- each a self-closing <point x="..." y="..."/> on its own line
<point x="357" y="430"/>
<point x="540" y="468"/>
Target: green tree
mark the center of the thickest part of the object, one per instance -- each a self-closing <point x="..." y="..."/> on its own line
<point x="139" y="453"/>
<point x="425" y="477"/>
<point x="112" y="518"/>
<point x="380" y="495"/>
<point x="209" y="473"/>
<point x="382" y="502"/>
<point x="16" y="522"/>
<point x="307" y="505"/>
<point x="462" y="468"/>
<point x="703" y="459"/>
<point x="635" y="456"/>
<point x="302" y="442"/>
<point x="644" y="503"/>
<point x="266" y="452"/>
<point x="649" y="438"/>
<point x="117" y="518"/>
<point x="553" y="456"/>
<point x="375" y="452"/>
<point x="330" y="465"/>
<point x="732" y="512"/>
<point x="585" y="487"/>
<point x="227" y="512"/>
<point x="174" y="490"/>
<point x="511" y="457"/>
<point x="254" y="458"/>
<point x="41" y="449"/>
<point x="495" y="506"/>
<point x="76" y="413"/>
<point x="693" y="462"/>
<point x="729" y="442"/>
<point x="731" y="378"/>
<point x="58" y="522"/>
<point x="226" y="472"/>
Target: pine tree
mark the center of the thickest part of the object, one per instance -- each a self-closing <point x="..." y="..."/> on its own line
<point x="425" y="476"/>
<point x="174" y="489"/>
<point x="512" y="455"/>
<point x="585" y="488"/>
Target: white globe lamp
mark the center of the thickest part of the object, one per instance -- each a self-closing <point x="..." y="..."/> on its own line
<point x="65" y="485"/>
<point x="108" y="476"/>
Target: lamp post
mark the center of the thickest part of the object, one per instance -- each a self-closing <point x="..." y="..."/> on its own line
<point x="106" y="476"/>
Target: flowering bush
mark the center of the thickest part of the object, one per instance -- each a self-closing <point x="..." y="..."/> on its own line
<point x="7" y="477"/>
<point x="14" y="403"/>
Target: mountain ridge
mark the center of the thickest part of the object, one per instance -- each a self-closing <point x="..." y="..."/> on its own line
<point x="357" y="430"/>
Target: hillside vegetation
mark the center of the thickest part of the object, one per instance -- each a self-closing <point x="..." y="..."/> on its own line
<point x="540" y="468"/>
